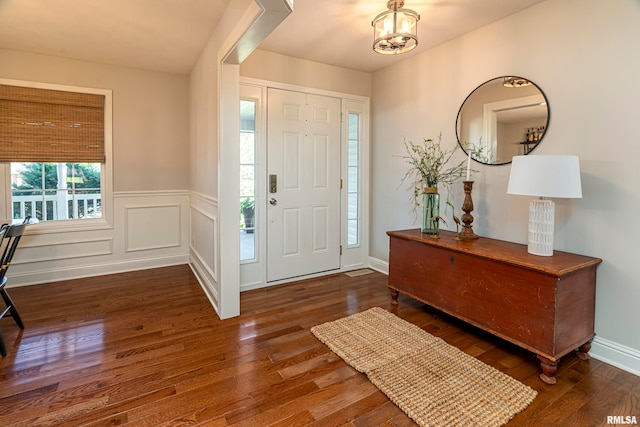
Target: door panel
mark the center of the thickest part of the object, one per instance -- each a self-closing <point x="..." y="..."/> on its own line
<point x="291" y="232"/>
<point x="304" y="154"/>
<point x="320" y="162"/>
<point x="320" y="229"/>
<point x="291" y="151"/>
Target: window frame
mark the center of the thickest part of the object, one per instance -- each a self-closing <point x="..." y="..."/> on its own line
<point x="255" y="102"/>
<point x="106" y="169"/>
<point x="349" y="190"/>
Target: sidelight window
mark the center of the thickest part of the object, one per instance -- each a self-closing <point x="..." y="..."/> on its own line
<point x="247" y="179"/>
<point x="353" y="181"/>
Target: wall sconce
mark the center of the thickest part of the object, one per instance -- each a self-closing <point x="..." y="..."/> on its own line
<point x="395" y="30"/>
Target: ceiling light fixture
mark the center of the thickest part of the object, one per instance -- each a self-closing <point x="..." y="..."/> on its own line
<point x="515" y="82"/>
<point x="395" y="30"/>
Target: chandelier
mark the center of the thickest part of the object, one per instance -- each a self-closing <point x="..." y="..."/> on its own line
<point x="395" y="30"/>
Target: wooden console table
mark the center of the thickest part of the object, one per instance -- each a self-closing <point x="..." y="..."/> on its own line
<point x="543" y="304"/>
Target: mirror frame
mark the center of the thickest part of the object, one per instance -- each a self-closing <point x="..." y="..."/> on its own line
<point x="489" y="126"/>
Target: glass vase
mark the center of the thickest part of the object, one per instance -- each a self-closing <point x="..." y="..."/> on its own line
<point x="430" y="211"/>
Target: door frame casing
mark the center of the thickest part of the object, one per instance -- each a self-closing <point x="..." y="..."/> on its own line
<point x="254" y="270"/>
<point x="253" y="274"/>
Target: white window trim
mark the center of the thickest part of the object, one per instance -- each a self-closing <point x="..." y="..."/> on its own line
<point x="351" y="107"/>
<point x="106" y="172"/>
<point x="357" y="255"/>
<point x="258" y="95"/>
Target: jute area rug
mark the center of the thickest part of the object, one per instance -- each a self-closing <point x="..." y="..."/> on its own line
<point x="434" y="383"/>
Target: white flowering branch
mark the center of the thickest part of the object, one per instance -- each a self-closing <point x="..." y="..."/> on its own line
<point x="428" y="163"/>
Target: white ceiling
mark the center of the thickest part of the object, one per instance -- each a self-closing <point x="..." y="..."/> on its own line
<point x="168" y="35"/>
<point x="164" y="35"/>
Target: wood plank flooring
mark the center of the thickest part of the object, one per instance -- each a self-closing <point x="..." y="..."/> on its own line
<point x="146" y="349"/>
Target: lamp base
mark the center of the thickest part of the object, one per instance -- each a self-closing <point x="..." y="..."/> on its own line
<point x="541" y="221"/>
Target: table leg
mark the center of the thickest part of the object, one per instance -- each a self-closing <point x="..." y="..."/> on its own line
<point x="394" y="296"/>
<point x="583" y="351"/>
<point x="549" y="368"/>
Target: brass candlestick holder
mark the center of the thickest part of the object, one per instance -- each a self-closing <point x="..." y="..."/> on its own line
<point x="467" y="206"/>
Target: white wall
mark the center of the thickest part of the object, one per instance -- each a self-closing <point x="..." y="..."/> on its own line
<point x="150" y="115"/>
<point x="214" y="146"/>
<point x="275" y="67"/>
<point x="149" y="227"/>
<point x="583" y="54"/>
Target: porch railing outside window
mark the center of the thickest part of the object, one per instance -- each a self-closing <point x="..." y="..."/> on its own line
<point x="56" y="191"/>
<point x="52" y="207"/>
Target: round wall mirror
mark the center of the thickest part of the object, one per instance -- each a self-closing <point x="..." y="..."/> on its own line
<point x="504" y="117"/>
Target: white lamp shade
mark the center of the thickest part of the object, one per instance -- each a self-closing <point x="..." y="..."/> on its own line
<point x="545" y="176"/>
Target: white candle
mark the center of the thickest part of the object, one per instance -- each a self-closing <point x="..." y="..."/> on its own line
<point x="469" y="166"/>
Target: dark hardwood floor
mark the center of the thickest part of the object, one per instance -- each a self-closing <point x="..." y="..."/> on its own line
<point x="146" y="349"/>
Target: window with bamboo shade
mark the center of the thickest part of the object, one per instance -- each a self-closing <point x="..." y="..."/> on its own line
<point x="44" y="125"/>
<point x="55" y="142"/>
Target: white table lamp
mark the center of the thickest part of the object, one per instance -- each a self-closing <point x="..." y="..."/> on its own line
<point x="544" y="176"/>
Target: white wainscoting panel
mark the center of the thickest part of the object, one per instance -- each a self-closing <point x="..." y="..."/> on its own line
<point x="203" y="244"/>
<point x="71" y="249"/>
<point x="204" y="224"/>
<point x="152" y="227"/>
<point x="148" y="230"/>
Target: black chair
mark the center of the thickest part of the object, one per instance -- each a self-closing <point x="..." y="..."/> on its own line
<point x="10" y="237"/>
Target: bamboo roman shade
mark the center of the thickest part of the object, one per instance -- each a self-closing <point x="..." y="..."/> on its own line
<point x="43" y="125"/>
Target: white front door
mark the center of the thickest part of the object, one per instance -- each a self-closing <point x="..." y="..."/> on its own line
<point x="303" y="184"/>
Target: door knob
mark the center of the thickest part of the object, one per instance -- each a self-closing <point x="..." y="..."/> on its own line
<point x="273" y="201"/>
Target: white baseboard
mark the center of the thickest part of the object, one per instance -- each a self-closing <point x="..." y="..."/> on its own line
<point x="206" y="281"/>
<point x="69" y="273"/>
<point x="618" y="355"/>
<point x="379" y="265"/>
